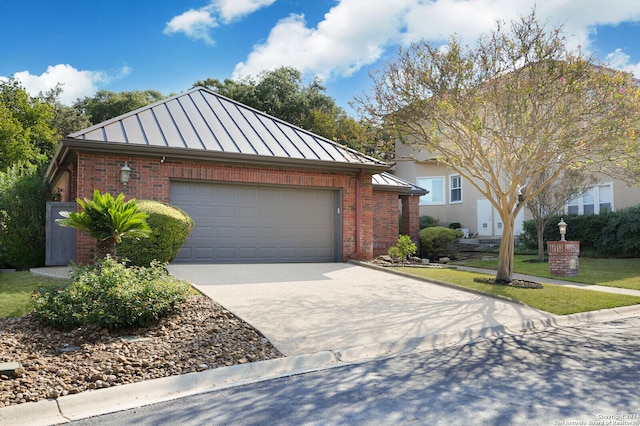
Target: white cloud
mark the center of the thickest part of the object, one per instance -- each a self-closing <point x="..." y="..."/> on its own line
<point x="75" y="83"/>
<point x="621" y="61"/>
<point x="356" y="33"/>
<point x="197" y="24"/>
<point x="234" y="9"/>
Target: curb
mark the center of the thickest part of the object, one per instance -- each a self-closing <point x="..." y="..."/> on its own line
<point x="119" y="398"/>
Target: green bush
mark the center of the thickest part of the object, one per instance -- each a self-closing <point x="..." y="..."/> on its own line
<point x="109" y="294"/>
<point x="403" y="248"/>
<point x="610" y="234"/>
<point x="620" y="237"/>
<point x="438" y="241"/>
<point x="170" y="228"/>
<point x="455" y="225"/>
<point x="24" y="193"/>
<point x="428" y="222"/>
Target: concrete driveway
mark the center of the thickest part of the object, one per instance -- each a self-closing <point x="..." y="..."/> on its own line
<point x="352" y="310"/>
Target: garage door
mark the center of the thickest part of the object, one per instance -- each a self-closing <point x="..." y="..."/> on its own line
<point x="264" y="224"/>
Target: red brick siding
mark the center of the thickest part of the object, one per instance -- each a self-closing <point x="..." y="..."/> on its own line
<point x="411" y="217"/>
<point x="150" y="179"/>
<point x="385" y="221"/>
<point x="564" y="257"/>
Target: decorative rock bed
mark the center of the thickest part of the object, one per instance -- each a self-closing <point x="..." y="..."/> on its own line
<point x="200" y="335"/>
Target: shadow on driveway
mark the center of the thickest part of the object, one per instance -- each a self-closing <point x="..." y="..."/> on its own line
<point x="308" y="308"/>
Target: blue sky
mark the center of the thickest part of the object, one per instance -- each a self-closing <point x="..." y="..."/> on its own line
<point x="167" y="45"/>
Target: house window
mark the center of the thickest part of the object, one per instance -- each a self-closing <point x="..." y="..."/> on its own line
<point x="598" y="199"/>
<point x="455" y="189"/>
<point x="435" y="186"/>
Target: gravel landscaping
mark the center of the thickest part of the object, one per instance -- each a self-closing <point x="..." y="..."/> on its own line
<point x="200" y="335"/>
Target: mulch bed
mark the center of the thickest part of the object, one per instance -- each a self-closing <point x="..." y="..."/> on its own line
<point x="513" y="283"/>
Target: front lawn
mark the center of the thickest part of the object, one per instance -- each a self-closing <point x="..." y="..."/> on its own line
<point x="16" y="289"/>
<point x="554" y="299"/>
<point x="622" y="273"/>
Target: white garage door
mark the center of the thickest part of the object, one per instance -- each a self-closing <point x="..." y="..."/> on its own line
<point x="258" y="224"/>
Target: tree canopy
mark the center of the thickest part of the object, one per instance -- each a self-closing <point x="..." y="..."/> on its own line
<point x="26" y="131"/>
<point x="505" y="111"/>
<point x="106" y="104"/>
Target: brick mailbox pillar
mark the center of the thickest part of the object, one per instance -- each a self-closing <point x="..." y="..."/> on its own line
<point x="563" y="257"/>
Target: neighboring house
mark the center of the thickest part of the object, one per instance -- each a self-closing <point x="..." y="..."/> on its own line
<point x="259" y="189"/>
<point x="452" y="199"/>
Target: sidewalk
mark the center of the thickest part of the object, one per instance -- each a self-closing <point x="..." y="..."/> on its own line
<point x="94" y="403"/>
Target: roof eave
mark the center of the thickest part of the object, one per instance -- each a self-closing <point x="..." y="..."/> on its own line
<point x="67" y="145"/>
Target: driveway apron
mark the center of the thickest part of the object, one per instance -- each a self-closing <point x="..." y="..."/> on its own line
<point x="306" y="308"/>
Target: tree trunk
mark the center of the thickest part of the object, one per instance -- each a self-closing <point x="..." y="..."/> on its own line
<point x="540" y="225"/>
<point x="505" y="257"/>
<point x="104" y="248"/>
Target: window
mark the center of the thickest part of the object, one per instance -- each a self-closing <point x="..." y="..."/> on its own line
<point x="598" y="199"/>
<point x="455" y="189"/>
<point x="435" y="186"/>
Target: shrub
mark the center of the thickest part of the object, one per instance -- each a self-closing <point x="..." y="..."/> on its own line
<point x="111" y="295"/>
<point x="620" y="237"/>
<point x="24" y="193"/>
<point x="438" y="241"/>
<point x="403" y="248"/>
<point x="170" y="228"/>
<point x="605" y="234"/>
<point x="455" y="225"/>
<point x="428" y="222"/>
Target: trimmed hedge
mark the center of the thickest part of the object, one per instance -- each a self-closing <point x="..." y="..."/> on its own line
<point x="609" y="234"/>
<point x="170" y="228"/>
<point x="437" y="241"/>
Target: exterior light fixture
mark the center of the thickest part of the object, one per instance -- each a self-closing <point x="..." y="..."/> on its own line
<point x="563" y="228"/>
<point x="125" y="173"/>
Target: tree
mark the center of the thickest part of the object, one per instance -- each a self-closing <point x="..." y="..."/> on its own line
<point x="106" y="104"/>
<point x="555" y="195"/>
<point x="66" y="119"/>
<point x="108" y="220"/>
<point x="24" y="192"/>
<point x="508" y="110"/>
<point x="282" y="94"/>
<point x="26" y="131"/>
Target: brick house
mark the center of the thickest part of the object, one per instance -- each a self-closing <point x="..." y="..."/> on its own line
<point x="259" y="189"/>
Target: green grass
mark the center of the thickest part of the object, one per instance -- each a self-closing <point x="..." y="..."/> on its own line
<point x="16" y="289"/>
<point x="622" y="273"/>
<point x="555" y="299"/>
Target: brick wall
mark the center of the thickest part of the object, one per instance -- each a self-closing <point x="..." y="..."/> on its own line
<point x="150" y="179"/>
<point x="385" y="221"/>
<point x="411" y="217"/>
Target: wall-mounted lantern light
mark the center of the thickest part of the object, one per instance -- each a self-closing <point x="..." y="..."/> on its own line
<point x="563" y="229"/>
<point x="125" y="174"/>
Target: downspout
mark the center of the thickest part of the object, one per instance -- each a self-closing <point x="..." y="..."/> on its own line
<point x="358" y="253"/>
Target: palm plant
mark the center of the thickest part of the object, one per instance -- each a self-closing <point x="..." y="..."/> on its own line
<point x="108" y="220"/>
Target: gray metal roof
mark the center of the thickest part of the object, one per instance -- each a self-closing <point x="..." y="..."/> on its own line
<point x="202" y="120"/>
<point x="388" y="182"/>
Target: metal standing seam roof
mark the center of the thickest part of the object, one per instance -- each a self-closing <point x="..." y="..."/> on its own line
<point x="387" y="181"/>
<point x="202" y="120"/>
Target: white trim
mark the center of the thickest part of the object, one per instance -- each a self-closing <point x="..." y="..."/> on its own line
<point x="429" y="187"/>
<point x="594" y="196"/>
<point x="451" y="188"/>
